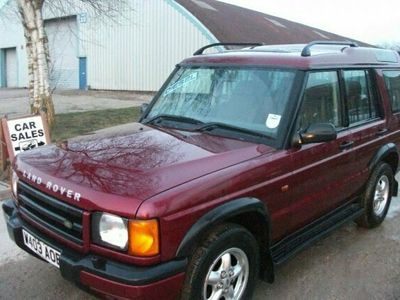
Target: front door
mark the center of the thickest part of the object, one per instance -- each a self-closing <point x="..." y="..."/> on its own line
<point x="322" y="172"/>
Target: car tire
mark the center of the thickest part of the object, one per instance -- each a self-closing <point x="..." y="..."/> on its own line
<point x="377" y="196"/>
<point x="225" y="263"/>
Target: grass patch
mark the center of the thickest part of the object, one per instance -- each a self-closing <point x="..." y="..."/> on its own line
<point x="74" y="124"/>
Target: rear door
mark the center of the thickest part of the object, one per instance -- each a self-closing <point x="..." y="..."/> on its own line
<point x="365" y="119"/>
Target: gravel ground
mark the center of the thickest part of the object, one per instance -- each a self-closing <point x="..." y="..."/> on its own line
<point x="352" y="263"/>
<point x="15" y="101"/>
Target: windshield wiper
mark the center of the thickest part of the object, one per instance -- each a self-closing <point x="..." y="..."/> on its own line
<point x="216" y="125"/>
<point x="179" y="119"/>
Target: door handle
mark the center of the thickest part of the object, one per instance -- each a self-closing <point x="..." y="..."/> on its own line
<point x="346" y="145"/>
<point x="382" y="131"/>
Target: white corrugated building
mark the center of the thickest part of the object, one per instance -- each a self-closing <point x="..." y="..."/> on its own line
<point x="138" y="49"/>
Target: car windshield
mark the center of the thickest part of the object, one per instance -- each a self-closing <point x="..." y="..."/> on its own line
<point x="245" y="99"/>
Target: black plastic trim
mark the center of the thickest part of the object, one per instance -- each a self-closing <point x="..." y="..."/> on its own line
<point x="8" y="208"/>
<point x="219" y="215"/>
<point x="306" y="236"/>
<point x="45" y="224"/>
<point x="380" y="155"/>
<point x="76" y="212"/>
<point x="72" y="263"/>
<point x="307" y="49"/>
<point x="384" y="151"/>
<point x="238" y="65"/>
<point x="201" y="50"/>
<point x="231" y="212"/>
<point x="51" y="215"/>
<point x="62" y="218"/>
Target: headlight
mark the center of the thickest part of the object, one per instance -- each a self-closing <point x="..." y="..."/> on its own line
<point x="137" y="237"/>
<point x="110" y="230"/>
<point x="14" y="183"/>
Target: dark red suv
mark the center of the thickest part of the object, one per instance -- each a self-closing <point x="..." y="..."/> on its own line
<point x="243" y="158"/>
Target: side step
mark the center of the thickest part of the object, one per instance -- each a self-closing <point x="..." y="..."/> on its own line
<point x="289" y="246"/>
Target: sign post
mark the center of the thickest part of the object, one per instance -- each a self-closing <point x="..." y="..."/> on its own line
<point x="25" y="133"/>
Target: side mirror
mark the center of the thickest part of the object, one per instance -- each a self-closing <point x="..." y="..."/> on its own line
<point x="143" y="108"/>
<point x="318" y="133"/>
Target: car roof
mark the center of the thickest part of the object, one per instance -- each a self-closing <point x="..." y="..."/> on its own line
<point x="300" y="56"/>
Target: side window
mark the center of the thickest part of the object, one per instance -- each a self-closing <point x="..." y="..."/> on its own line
<point x="392" y="80"/>
<point x="361" y="100"/>
<point x="321" y="102"/>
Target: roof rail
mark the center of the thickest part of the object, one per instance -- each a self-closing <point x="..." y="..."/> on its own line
<point x="307" y="49"/>
<point x="201" y="50"/>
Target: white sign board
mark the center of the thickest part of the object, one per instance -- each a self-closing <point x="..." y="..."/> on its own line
<point x="26" y="133"/>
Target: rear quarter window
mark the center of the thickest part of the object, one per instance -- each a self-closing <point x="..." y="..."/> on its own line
<point x="392" y="81"/>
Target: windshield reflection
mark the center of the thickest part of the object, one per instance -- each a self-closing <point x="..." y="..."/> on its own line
<point x="253" y="99"/>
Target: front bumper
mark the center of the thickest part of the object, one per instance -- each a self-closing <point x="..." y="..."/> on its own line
<point x="100" y="274"/>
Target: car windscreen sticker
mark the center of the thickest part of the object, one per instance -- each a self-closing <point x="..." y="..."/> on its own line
<point x="273" y="121"/>
<point x="181" y="83"/>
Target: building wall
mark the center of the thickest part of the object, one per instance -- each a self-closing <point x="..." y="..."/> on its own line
<point x="135" y="51"/>
<point x="12" y="36"/>
<point x="63" y="47"/>
<point x="141" y="50"/>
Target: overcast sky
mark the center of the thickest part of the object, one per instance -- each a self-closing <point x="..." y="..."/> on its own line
<point x="370" y="21"/>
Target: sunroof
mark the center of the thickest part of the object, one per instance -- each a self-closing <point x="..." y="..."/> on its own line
<point x="386" y="56"/>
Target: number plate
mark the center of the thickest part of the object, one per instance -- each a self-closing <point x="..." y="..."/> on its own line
<point x="46" y="252"/>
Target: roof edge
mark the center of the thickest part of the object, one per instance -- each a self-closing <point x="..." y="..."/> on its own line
<point x="192" y="19"/>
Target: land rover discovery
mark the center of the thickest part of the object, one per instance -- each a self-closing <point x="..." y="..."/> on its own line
<point x="242" y="159"/>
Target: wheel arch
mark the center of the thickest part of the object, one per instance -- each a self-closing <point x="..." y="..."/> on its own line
<point x="390" y="154"/>
<point x="387" y="153"/>
<point x="248" y="212"/>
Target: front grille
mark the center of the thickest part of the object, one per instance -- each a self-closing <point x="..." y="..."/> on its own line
<point x="59" y="217"/>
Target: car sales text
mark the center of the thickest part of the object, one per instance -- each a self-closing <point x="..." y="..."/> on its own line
<point x="26" y="131"/>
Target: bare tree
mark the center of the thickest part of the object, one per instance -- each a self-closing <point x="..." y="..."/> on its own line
<point x="37" y="45"/>
<point x="38" y="57"/>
